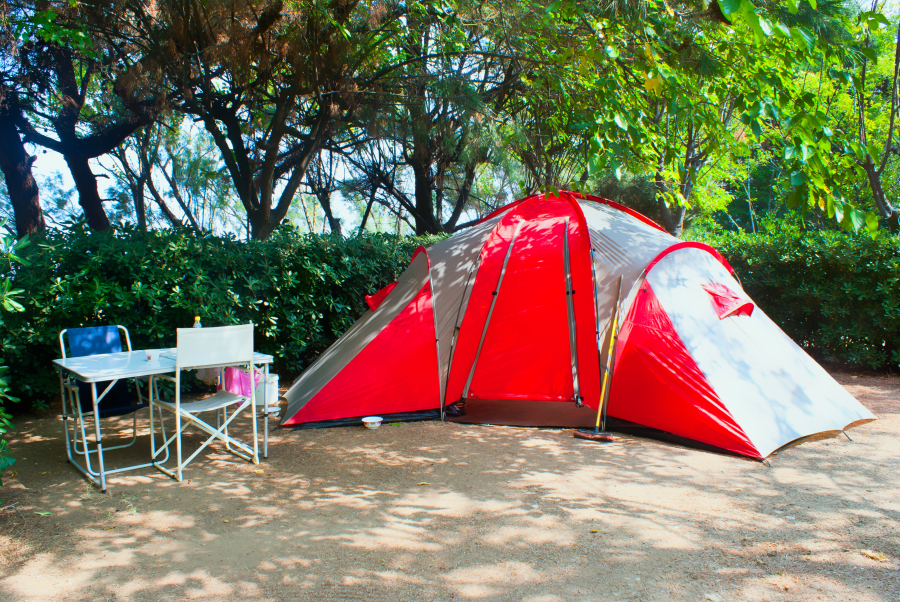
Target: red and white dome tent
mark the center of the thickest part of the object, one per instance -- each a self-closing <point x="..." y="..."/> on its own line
<point x="512" y="316"/>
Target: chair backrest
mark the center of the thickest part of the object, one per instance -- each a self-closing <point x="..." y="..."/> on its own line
<point x="93" y="340"/>
<point x="207" y="347"/>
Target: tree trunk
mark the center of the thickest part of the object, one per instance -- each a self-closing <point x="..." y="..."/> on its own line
<point x="88" y="195"/>
<point x="176" y="223"/>
<point x="365" y="217"/>
<point x="16" y="166"/>
<point x="463" y="199"/>
<point x="424" y="191"/>
<point x="140" y="207"/>
<point x="884" y="206"/>
<point x="672" y="220"/>
<point x="334" y="224"/>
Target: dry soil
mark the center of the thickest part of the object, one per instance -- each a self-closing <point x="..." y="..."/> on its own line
<point x="434" y="511"/>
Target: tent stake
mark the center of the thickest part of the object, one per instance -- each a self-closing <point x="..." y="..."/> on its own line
<point x="846" y="435"/>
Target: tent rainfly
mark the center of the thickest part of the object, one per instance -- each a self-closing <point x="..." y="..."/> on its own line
<point x="508" y="322"/>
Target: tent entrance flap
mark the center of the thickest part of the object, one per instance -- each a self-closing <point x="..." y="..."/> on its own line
<point x="487" y="321"/>
<point x="526" y="351"/>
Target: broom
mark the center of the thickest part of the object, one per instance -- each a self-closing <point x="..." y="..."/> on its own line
<point x="597" y="434"/>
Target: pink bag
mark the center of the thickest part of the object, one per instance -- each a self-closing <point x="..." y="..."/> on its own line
<point x="238" y="382"/>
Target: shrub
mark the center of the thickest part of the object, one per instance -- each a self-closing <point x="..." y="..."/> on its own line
<point x="301" y="292"/>
<point x="836" y="294"/>
<point x="9" y="250"/>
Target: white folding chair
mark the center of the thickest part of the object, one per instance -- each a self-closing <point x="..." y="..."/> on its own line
<point x="208" y="348"/>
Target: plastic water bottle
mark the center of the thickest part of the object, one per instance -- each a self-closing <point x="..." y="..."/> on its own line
<point x="197" y="323"/>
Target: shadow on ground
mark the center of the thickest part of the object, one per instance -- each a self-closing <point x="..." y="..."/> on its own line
<point x="433" y="511"/>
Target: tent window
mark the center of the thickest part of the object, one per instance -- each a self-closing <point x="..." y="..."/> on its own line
<point x="726" y="302"/>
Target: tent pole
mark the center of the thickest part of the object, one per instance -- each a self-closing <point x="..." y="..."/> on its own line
<point x="596" y="314"/>
<point x="487" y="320"/>
<point x="437" y="342"/>
<point x="570" y="310"/>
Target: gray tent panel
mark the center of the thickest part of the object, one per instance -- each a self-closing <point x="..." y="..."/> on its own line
<point x="623" y="246"/>
<point x="452" y="261"/>
<point x="339" y="354"/>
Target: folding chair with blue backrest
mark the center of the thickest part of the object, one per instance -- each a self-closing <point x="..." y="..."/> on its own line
<point x="117" y="399"/>
<point x="207" y="348"/>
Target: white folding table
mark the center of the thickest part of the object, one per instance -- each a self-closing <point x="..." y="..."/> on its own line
<point x="114" y="367"/>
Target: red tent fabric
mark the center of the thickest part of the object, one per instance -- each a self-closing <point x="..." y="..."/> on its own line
<point x="391" y="374"/>
<point x="726" y="302"/>
<point x="374" y="300"/>
<point x="658" y="384"/>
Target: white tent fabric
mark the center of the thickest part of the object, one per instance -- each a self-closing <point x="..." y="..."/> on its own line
<point x="773" y="389"/>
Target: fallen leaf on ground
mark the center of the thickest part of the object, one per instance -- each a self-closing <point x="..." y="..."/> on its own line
<point x="424" y="483"/>
<point x="43" y="513"/>
<point x="395" y="424"/>
<point x="225" y="521"/>
<point x="594" y="531"/>
<point x="109" y="528"/>
<point x="874" y="555"/>
<point x="12" y="475"/>
<point x="257" y="471"/>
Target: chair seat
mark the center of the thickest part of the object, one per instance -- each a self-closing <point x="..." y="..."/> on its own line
<point x="217" y="401"/>
<point x="122" y="411"/>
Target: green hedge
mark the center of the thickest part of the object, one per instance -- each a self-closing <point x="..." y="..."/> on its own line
<point x="301" y="291"/>
<point x="836" y="294"/>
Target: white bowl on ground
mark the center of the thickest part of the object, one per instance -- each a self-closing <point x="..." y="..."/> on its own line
<point x="372" y="422"/>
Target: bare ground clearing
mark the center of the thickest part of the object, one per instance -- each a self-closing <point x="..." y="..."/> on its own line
<point x="432" y="511"/>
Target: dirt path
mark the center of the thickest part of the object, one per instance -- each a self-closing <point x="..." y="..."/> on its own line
<point x="432" y="511"/>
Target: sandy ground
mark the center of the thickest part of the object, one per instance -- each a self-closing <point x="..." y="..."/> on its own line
<point x="432" y="511"/>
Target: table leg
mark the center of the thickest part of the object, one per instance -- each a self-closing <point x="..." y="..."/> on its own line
<point x="178" y="421"/>
<point x="266" y="409"/>
<point x="97" y="434"/>
<point x="254" y="411"/>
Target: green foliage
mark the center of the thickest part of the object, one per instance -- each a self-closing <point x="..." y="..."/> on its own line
<point x="836" y="294"/>
<point x="301" y="291"/>
<point x="10" y="248"/>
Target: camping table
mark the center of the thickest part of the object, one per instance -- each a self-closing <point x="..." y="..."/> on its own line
<point x="113" y="367"/>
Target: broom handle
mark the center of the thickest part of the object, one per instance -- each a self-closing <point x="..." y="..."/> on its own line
<point x="612" y="338"/>
<point x="611" y="357"/>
